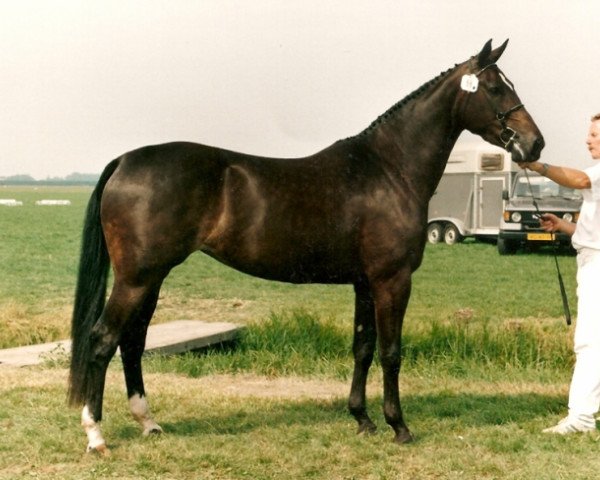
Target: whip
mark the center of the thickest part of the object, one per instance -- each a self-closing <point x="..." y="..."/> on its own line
<point x="563" y="292"/>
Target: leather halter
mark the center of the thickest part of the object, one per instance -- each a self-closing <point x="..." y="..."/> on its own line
<point x="507" y="134"/>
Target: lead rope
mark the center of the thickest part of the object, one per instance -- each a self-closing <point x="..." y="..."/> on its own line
<point x="563" y="292"/>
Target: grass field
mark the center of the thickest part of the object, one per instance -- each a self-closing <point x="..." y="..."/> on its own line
<point x="487" y="365"/>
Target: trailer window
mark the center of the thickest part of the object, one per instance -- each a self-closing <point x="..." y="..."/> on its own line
<point x="491" y="162"/>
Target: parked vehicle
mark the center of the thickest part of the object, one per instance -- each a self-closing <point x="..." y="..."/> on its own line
<point x="520" y="223"/>
<point x="468" y="201"/>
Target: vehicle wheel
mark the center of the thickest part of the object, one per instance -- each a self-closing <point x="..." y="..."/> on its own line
<point x="452" y="235"/>
<point x="434" y="232"/>
<point x="506" y="247"/>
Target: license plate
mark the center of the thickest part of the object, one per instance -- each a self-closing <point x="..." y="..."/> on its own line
<point x="540" y="236"/>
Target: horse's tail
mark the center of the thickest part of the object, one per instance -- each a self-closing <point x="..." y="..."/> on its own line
<point x="90" y="293"/>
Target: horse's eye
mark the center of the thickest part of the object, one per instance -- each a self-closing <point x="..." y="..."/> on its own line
<point x="495" y="90"/>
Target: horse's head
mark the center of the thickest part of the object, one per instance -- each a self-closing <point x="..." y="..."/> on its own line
<point x="489" y="107"/>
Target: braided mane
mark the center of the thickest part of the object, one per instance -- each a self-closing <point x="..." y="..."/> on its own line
<point x="411" y="96"/>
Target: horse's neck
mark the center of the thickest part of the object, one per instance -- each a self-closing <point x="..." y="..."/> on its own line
<point x="417" y="142"/>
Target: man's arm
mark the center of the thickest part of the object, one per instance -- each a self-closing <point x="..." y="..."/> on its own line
<point x="565" y="176"/>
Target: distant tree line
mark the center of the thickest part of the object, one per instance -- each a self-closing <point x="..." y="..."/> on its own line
<point x="71" y="179"/>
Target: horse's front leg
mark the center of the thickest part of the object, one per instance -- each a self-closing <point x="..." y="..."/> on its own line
<point x="363" y="348"/>
<point x="391" y="298"/>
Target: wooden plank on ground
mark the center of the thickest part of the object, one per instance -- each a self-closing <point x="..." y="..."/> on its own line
<point x="166" y="338"/>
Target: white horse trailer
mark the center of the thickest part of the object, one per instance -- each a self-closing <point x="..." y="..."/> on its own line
<point x="468" y="201"/>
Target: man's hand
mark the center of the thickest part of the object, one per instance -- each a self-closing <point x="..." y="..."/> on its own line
<point x="551" y="223"/>
<point x="533" y="166"/>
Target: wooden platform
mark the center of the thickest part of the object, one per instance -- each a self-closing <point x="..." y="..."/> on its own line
<point x="167" y="338"/>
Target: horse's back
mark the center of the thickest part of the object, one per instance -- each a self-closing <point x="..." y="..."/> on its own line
<point x="285" y="219"/>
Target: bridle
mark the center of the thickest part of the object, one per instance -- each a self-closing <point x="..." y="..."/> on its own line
<point x="507" y="135"/>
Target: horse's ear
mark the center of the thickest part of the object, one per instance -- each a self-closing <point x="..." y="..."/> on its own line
<point x="488" y="56"/>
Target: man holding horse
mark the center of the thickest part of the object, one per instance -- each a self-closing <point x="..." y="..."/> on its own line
<point x="584" y="394"/>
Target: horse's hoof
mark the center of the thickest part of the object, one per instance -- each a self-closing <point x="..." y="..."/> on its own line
<point x="402" y="437"/>
<point x="367" y="428"/>
<point x="101" y="450"/>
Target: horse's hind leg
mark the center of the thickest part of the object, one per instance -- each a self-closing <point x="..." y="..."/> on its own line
<point x="132" y="346"/>
<point x="124" y="303"/>
<point x="363" y="348"/>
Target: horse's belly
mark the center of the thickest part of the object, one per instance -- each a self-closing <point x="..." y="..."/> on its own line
<point x="290" y="265"/>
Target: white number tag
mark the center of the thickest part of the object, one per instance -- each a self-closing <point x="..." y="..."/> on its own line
<point x="469" y="83"/>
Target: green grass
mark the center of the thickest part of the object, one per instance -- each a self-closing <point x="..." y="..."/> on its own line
<point x="301" y="343"/>
<point x="487" y="360"/>
<point x="39" y="244"/>
<point x="464" y="429"/>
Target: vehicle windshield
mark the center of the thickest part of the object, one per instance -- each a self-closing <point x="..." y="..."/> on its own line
<point x="543" y="187"/>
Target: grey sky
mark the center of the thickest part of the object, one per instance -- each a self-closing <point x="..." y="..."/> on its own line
<point x="84" y="81"/>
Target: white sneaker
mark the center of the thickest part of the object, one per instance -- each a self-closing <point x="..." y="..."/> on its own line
<point x="567" y="425"/>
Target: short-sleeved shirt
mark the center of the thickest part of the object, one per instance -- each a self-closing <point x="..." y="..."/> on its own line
<point x="587" y="231"/>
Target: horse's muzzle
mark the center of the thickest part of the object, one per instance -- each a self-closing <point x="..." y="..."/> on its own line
<point x="522" y="151"/>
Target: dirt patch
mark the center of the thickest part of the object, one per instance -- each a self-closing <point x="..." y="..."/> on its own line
<point x="285" y="388"/>
<point x="171" y="307"/>
<point x="259" y="387"/>
<point x="12" y="377"/>
<point x="221" y="385"/>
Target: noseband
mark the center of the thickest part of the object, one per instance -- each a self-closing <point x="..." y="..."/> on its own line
<point x="507" y="135"/>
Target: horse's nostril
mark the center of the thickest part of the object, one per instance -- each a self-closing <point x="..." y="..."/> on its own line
<point x="538" y="145"/>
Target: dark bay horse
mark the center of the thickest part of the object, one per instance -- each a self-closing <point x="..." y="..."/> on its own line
<point x="353" y="213"/>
